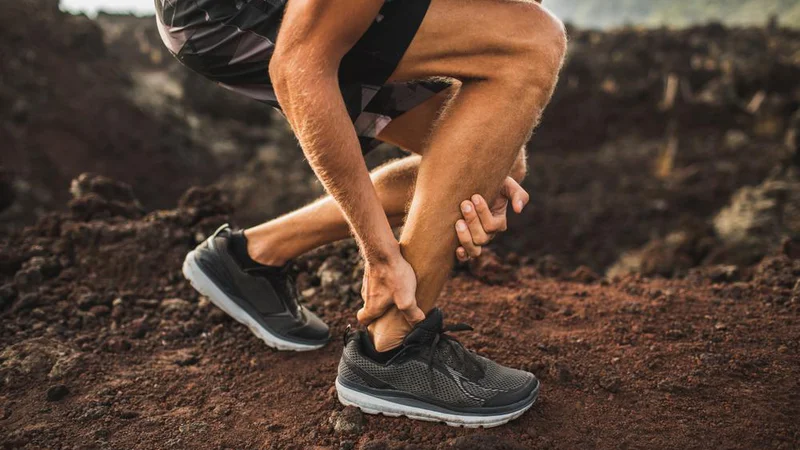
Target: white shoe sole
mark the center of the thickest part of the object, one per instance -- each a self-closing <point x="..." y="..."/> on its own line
<point x="207" y="288"/>
<point x="374" y="405"/>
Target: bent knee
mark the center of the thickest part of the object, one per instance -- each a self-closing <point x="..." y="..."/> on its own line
<point x="540" y="44"/>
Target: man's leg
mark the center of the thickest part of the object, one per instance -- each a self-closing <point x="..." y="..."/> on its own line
<point x="508" y="60"/>
<point x="289" y="236"/>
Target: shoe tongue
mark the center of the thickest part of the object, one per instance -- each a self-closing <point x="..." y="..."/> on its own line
<point x="427" y="329"/>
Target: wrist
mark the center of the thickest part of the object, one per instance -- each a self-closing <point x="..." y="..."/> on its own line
<point x="386" y="254"/>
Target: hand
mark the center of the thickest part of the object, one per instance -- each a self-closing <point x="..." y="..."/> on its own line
<point x="482" y="221"/>
<point x="386" y="285"/>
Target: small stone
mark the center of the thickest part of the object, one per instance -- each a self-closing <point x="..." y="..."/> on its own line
<point x="117" y="345"/>
<point x="127" y="415"/>
<point x="611" y="384"/>
<point x="147" y="303"/>
<point x="139" y="328"/>
<point x="100" y="310"/>
<point x="329" y="275"/>
<point x="720" y="326"/>
<point x="175" y="304"/>
<point x="27" y="302"/>
<point x="187" y="359"/>
<point x="57" y="392"/>
<point x="736" y="139"/>
<point x="101" y="433"/>
<point x="584" y="275"/>
<point x="675" y="334"/>
<point x="349" y="420"/>
<point x="86" y="301"/>
<point x="563" y="373"/>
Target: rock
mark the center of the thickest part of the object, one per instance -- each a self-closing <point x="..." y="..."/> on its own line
<point x="116" y="345"/>
<point x="138" y="328"/>
<point x="8" y="293"/>
<point x="100" y="310"/>
<point x="28" y="277"/>
<point x="670" y="256"/>
<point x="193" y="427"/>
<point x="57" y="392"/>
<point x="720" y="273"/>
<point x="98" y="197"/>
<point x="88" y="300"/>
<point x="127" y="415"/>
<point x="350" y="420"/>
<point x="584" y="274"/>
<point x="491" y="269"/>
<point x="28" y="302"/>
<point x="562" y="373"/>
<point x="175" y="304"/>
<point x="549" y="266"/>
<point x="330" y="272"/>
<point x="611" y="384"/>
<point x="186" y="359"/>
<point x="205" y="202"/>
<point x="106" y="188"/>
<point x="675" y="334"/>
<point x="36" y="357"/>
<point x="736" y="139"/>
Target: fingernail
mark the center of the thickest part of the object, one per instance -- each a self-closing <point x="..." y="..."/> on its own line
<point x="476" y="199"/>
<point x="461" y="226"/>
<point x="466" y="207"/>
<point x="520" y="205"/>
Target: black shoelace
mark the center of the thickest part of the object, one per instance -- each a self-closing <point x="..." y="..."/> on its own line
<point x="463" y="355"/>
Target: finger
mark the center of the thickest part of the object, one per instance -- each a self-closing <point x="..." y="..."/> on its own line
<point x="491" y="224"/>
<point x="518" y="196"/>
<point x="369" y="314"/>
<point x="479" y="236"/>
<point x="412" y="313"/>
<point x="461" y="254"/>
<point x="465" y="238"/>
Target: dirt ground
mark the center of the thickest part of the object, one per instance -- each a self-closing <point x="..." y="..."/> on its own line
<point x="106" y="346"/>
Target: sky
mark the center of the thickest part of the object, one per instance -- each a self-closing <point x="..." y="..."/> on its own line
<point x="91" y="6"/>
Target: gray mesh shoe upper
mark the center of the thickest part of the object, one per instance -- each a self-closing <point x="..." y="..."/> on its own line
<point x="433" y="367"/>
<point x="266" y="294"/>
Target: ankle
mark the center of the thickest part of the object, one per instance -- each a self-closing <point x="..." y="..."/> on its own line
<point x="266" y="250"/>
<point x="387" y="338"/>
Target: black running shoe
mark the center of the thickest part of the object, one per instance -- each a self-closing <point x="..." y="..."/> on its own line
<point x="263" y="298"/>
<point x="432" y="377"/>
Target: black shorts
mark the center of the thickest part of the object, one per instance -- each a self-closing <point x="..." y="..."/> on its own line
<point x="231" y="42"/>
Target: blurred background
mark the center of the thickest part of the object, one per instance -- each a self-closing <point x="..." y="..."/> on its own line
<point x="671" y="142"/>
<point x="653" y="284"/>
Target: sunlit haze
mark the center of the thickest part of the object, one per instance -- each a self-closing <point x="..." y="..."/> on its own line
<point x="92" y="6"/>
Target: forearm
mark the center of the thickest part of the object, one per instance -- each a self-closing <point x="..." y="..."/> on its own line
<point x="329" y="141"/>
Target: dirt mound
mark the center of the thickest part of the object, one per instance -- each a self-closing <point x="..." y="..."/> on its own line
<point x="105" y="345"/>
<point x="650" y="133"/>
<point x="68" y="111"/>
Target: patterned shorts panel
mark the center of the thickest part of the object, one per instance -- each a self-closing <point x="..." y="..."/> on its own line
<point x="232" y="41"/>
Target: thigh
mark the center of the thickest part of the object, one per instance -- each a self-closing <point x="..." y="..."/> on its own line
<point x="470" y="39"/>
<point x="410" y="130"/>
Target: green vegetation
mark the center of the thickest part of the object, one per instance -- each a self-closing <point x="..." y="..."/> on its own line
<point x="608" y="13"/>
